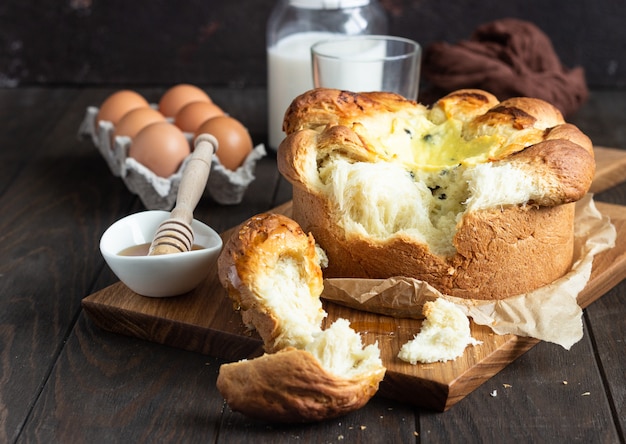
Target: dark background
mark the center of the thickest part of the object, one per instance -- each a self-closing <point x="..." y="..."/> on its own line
<point x="221" y="43"/>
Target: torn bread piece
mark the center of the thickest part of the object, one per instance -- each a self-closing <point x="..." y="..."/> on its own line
<point x="444" y="335"/>
<point x="272" y="272"/>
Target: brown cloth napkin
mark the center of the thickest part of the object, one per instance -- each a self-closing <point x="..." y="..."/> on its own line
<point x="509" y="58"/>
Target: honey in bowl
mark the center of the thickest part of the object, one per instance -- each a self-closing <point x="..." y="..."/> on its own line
<point x="142" y="249"/>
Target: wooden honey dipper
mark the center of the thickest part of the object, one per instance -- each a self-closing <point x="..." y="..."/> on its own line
<point x="175" y="235"/>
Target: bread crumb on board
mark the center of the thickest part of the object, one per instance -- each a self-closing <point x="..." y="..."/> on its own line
<point x="444" y="335"/>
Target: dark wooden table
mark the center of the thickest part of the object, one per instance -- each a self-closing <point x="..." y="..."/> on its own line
<point x="62" y="379"/>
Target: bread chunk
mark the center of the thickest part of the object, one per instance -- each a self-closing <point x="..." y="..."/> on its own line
<point x="331" y="377"/>
<point x="272" y="272"/>
<point x="444" y="335"/>
<point x="472" y="195"/>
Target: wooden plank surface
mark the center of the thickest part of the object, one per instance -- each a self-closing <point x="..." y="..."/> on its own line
<point x="204" y="321"/>
<point x="40" y="197"/>
<point x="610" y="168"/>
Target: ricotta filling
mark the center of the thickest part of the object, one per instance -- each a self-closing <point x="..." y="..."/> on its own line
<point x="424" y="175"/>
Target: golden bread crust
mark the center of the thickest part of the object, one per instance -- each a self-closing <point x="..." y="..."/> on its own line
<point x="500" y="251"/>
<point x="291" y="386"/>
<point x="466" y="103"/>
<point x="323" y="107"/>
<point x="252" y="253"/>
<point x="566" y="176"/>
<point x="272" y="271"/>
<point x="526" y="248"/>
<point x="331" y="114"/>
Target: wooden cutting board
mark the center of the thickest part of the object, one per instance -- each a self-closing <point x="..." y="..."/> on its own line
<point x="204" y="321"/>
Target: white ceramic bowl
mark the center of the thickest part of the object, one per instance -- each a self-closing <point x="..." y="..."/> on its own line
<point x="163" y="275"/>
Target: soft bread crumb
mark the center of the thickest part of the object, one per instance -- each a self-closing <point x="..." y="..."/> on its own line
<point x="444" y="335"/>
<point x="284" y="292"/>
<point x="321" y="255"/>
<point x="494" y="185"/>
<point x="340" y="351"/>
<point x="426" y="205"/>
<point x="272" y="269"/>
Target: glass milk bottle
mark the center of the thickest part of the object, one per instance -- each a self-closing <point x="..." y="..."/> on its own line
<point x="295" y="25"/>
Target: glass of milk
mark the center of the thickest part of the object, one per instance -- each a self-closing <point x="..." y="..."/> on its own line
<point x="289" y="64"/>
<point x="368" y="63"/>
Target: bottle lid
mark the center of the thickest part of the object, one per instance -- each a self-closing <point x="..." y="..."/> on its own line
<point x="328" y="4"/>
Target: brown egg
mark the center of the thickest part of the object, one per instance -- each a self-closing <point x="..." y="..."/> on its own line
<point x="161" y="147"/>
<point x="193" y="114"/>
<point x="234" y="141"/>
<point x="135" y="120"/>
<point x="118" y="104"/>
<point x="178" y="96"/>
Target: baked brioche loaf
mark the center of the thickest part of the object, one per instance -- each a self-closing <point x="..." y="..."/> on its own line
<point x="473" y="195"/>
<point x="272" y="272"/>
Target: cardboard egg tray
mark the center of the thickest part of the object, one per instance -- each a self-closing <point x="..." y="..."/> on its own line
<point x="225" y="186"/>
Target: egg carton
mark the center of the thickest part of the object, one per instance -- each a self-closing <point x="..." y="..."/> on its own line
<point x="225" y="186"/>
